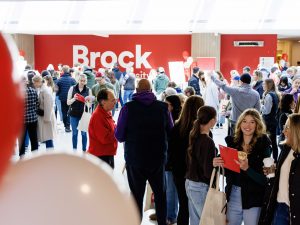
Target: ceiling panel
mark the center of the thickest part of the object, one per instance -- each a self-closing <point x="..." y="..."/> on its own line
<point x="150" y="16"/>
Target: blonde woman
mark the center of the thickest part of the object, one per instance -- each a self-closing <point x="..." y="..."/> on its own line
<point x="283" y="198"/>
<point x="245" y="190"/>
<point x="77" y="96"/>
<point x="46" y="116"/>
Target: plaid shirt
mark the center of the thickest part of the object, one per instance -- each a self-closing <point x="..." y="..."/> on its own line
<point x="31" y="102"/>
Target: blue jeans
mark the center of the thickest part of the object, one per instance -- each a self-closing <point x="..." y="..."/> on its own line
<point x="58" y="105"/>
<point x="49" y="144"/>
<point x="74" y="124"/>
<point x="196" y="193"/>
<point x="281" y="215"/>
<point x="236" y="214"/>
<point x="120" y="99"/>
<point x="26" y="139"/>
<point x="172" y="197"/>
<point x="128" y="95"/>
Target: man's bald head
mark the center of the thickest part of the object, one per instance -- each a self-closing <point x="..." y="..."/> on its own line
<point x="143" y="85"/>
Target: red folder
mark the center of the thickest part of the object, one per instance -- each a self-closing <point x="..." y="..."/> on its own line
<point x="229" y="155"/>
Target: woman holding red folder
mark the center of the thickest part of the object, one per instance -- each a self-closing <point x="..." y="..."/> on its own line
<point x="245" y="190"/>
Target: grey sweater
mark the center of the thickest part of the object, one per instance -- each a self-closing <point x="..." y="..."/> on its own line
<point x="243" y="97"/>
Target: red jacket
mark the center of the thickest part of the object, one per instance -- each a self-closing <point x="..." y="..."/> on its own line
<point x="101" y="133"/>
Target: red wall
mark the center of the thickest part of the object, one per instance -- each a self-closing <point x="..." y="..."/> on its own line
<point x="238" y="57"/>
<point x="59" y="48"/>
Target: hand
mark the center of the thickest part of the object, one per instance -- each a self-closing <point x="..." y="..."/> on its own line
<point x="218" y="161"/>
<point x="294" y="90"/>
<point x="243" y="164"/>
<point x="89" y="98"/>
<point x="76" y="97"/>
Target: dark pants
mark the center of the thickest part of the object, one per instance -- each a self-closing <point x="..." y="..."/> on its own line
<point x="183" y="214"/>
<point x="109" y="159"/>
<point x="281" y="215"/>
<point x="137" y="178"/>
<point x="66" y="117"/>
<point x="231" y="127"/>
<point x="271" y="129"/>
<point x="31" y="128"/>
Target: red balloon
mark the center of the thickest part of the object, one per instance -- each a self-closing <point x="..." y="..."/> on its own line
<point x="284" y="57"/>
<point x="11" y="112"/>
<point x="22" y="53"/>
<point x="185" y="54"/>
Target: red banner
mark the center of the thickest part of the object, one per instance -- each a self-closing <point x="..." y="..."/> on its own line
<point x="143" y="52"/>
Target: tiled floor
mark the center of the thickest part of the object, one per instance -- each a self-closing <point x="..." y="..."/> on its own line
<point x="63" y="141"/>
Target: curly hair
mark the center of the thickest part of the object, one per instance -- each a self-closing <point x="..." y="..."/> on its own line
<point x="260" y="129"/>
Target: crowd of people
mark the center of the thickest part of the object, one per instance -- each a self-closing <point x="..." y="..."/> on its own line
<point x="168" y="139"/>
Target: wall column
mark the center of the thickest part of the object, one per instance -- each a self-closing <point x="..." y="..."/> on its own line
<point x="25" y="42"/>
<point x="207" y="45"/>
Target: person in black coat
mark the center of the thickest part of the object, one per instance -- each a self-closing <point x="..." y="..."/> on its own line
<point x="177" y="152"/>
<point x="282" y="201"/>
<point x="258" y="82"/>
<point x="286" y="107"/>
<point x="245" y="190"/>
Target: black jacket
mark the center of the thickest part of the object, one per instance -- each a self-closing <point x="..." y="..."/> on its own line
<point x="177" y="151"/>
<point x="270" y="200"/>
<point x="147" y="133"/>
<point x="64" y="83"/>
<point x="253" y="181"/>
<point x="259" y="88"/>
<point x="194" y="82"/>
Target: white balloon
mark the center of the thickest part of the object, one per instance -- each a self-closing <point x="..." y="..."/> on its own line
<point x="186" y="65"/>
<point x="63" y="189"/>
<point x="190" y="60"/>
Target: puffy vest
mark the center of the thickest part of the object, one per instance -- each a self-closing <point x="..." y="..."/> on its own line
<point x="76" y="109"/>
<point x="271" y="119"/>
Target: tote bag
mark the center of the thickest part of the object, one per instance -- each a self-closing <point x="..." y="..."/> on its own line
<point x="84" y="122"/>
<point x="214" y="210"/>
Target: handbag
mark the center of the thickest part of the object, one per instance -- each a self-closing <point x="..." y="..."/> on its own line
<point x="40" y="112"/>
<point x="214" y="210"/>
<point x="84" y="121"/>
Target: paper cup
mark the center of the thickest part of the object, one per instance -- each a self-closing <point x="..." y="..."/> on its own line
<point x="268" y="162"/>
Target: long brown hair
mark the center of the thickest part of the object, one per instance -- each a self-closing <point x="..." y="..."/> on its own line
<point x="294" y="126"/>
<point x="260" y="129"/>
<point x="271" y="87"/>
<point x="204" y="115"/>
<point x="50" y="82"/>
<point x="188" y="114"/>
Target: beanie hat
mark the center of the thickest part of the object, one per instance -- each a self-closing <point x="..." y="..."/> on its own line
<point x="246" y="78"/>
<point x="45" y="73"/>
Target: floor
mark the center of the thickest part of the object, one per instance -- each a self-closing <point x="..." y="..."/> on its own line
<point x="63" y="142"/>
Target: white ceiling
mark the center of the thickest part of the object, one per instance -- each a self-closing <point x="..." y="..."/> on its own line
<point x="105" y="17"/>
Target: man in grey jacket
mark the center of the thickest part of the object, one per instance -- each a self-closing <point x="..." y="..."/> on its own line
<point x="242" y="97"/>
